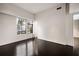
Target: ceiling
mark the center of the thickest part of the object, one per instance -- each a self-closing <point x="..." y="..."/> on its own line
<point x="35" y="7"/>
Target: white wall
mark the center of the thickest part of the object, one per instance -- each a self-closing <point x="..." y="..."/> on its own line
<point x="74" y="8"/>
<point x="8" y="28"/>
<point x="69" y="29"/>
<point x="54" y="25"/>
<point x="75" y="28"/>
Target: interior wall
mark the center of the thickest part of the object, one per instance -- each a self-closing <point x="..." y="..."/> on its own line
<point x="74" y="8"/>
<point x="54" y="25"/>
<point x="76" y="28"/>
<point x="7" y="29"/>
<point x="69" y="29"/>
<point x="8" y="15"/>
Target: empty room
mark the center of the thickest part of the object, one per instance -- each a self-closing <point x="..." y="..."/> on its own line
<point x="39" y="29"/>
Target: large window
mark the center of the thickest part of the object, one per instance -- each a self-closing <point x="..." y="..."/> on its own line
<point x="21" y="26"/>
<point x="24" y="26"/>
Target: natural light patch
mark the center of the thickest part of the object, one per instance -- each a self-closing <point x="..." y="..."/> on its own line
<point x="76" y="17"/>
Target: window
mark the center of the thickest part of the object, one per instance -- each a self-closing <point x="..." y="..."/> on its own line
<point x="30" y="27"/>
<point x="21" y="26"/>
<point x="24" y="26"/>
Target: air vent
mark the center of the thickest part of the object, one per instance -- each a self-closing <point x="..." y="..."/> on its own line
<point x="59" y="8"/>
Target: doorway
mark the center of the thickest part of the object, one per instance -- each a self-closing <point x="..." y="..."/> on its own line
<point x="76" y="33"/>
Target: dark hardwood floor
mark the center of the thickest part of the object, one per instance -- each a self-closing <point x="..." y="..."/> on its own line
<point x="40" y="48"/>
<point x="10" y="49"/>
<point x="46" y="48"/>
<point x="76" y="46"/>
